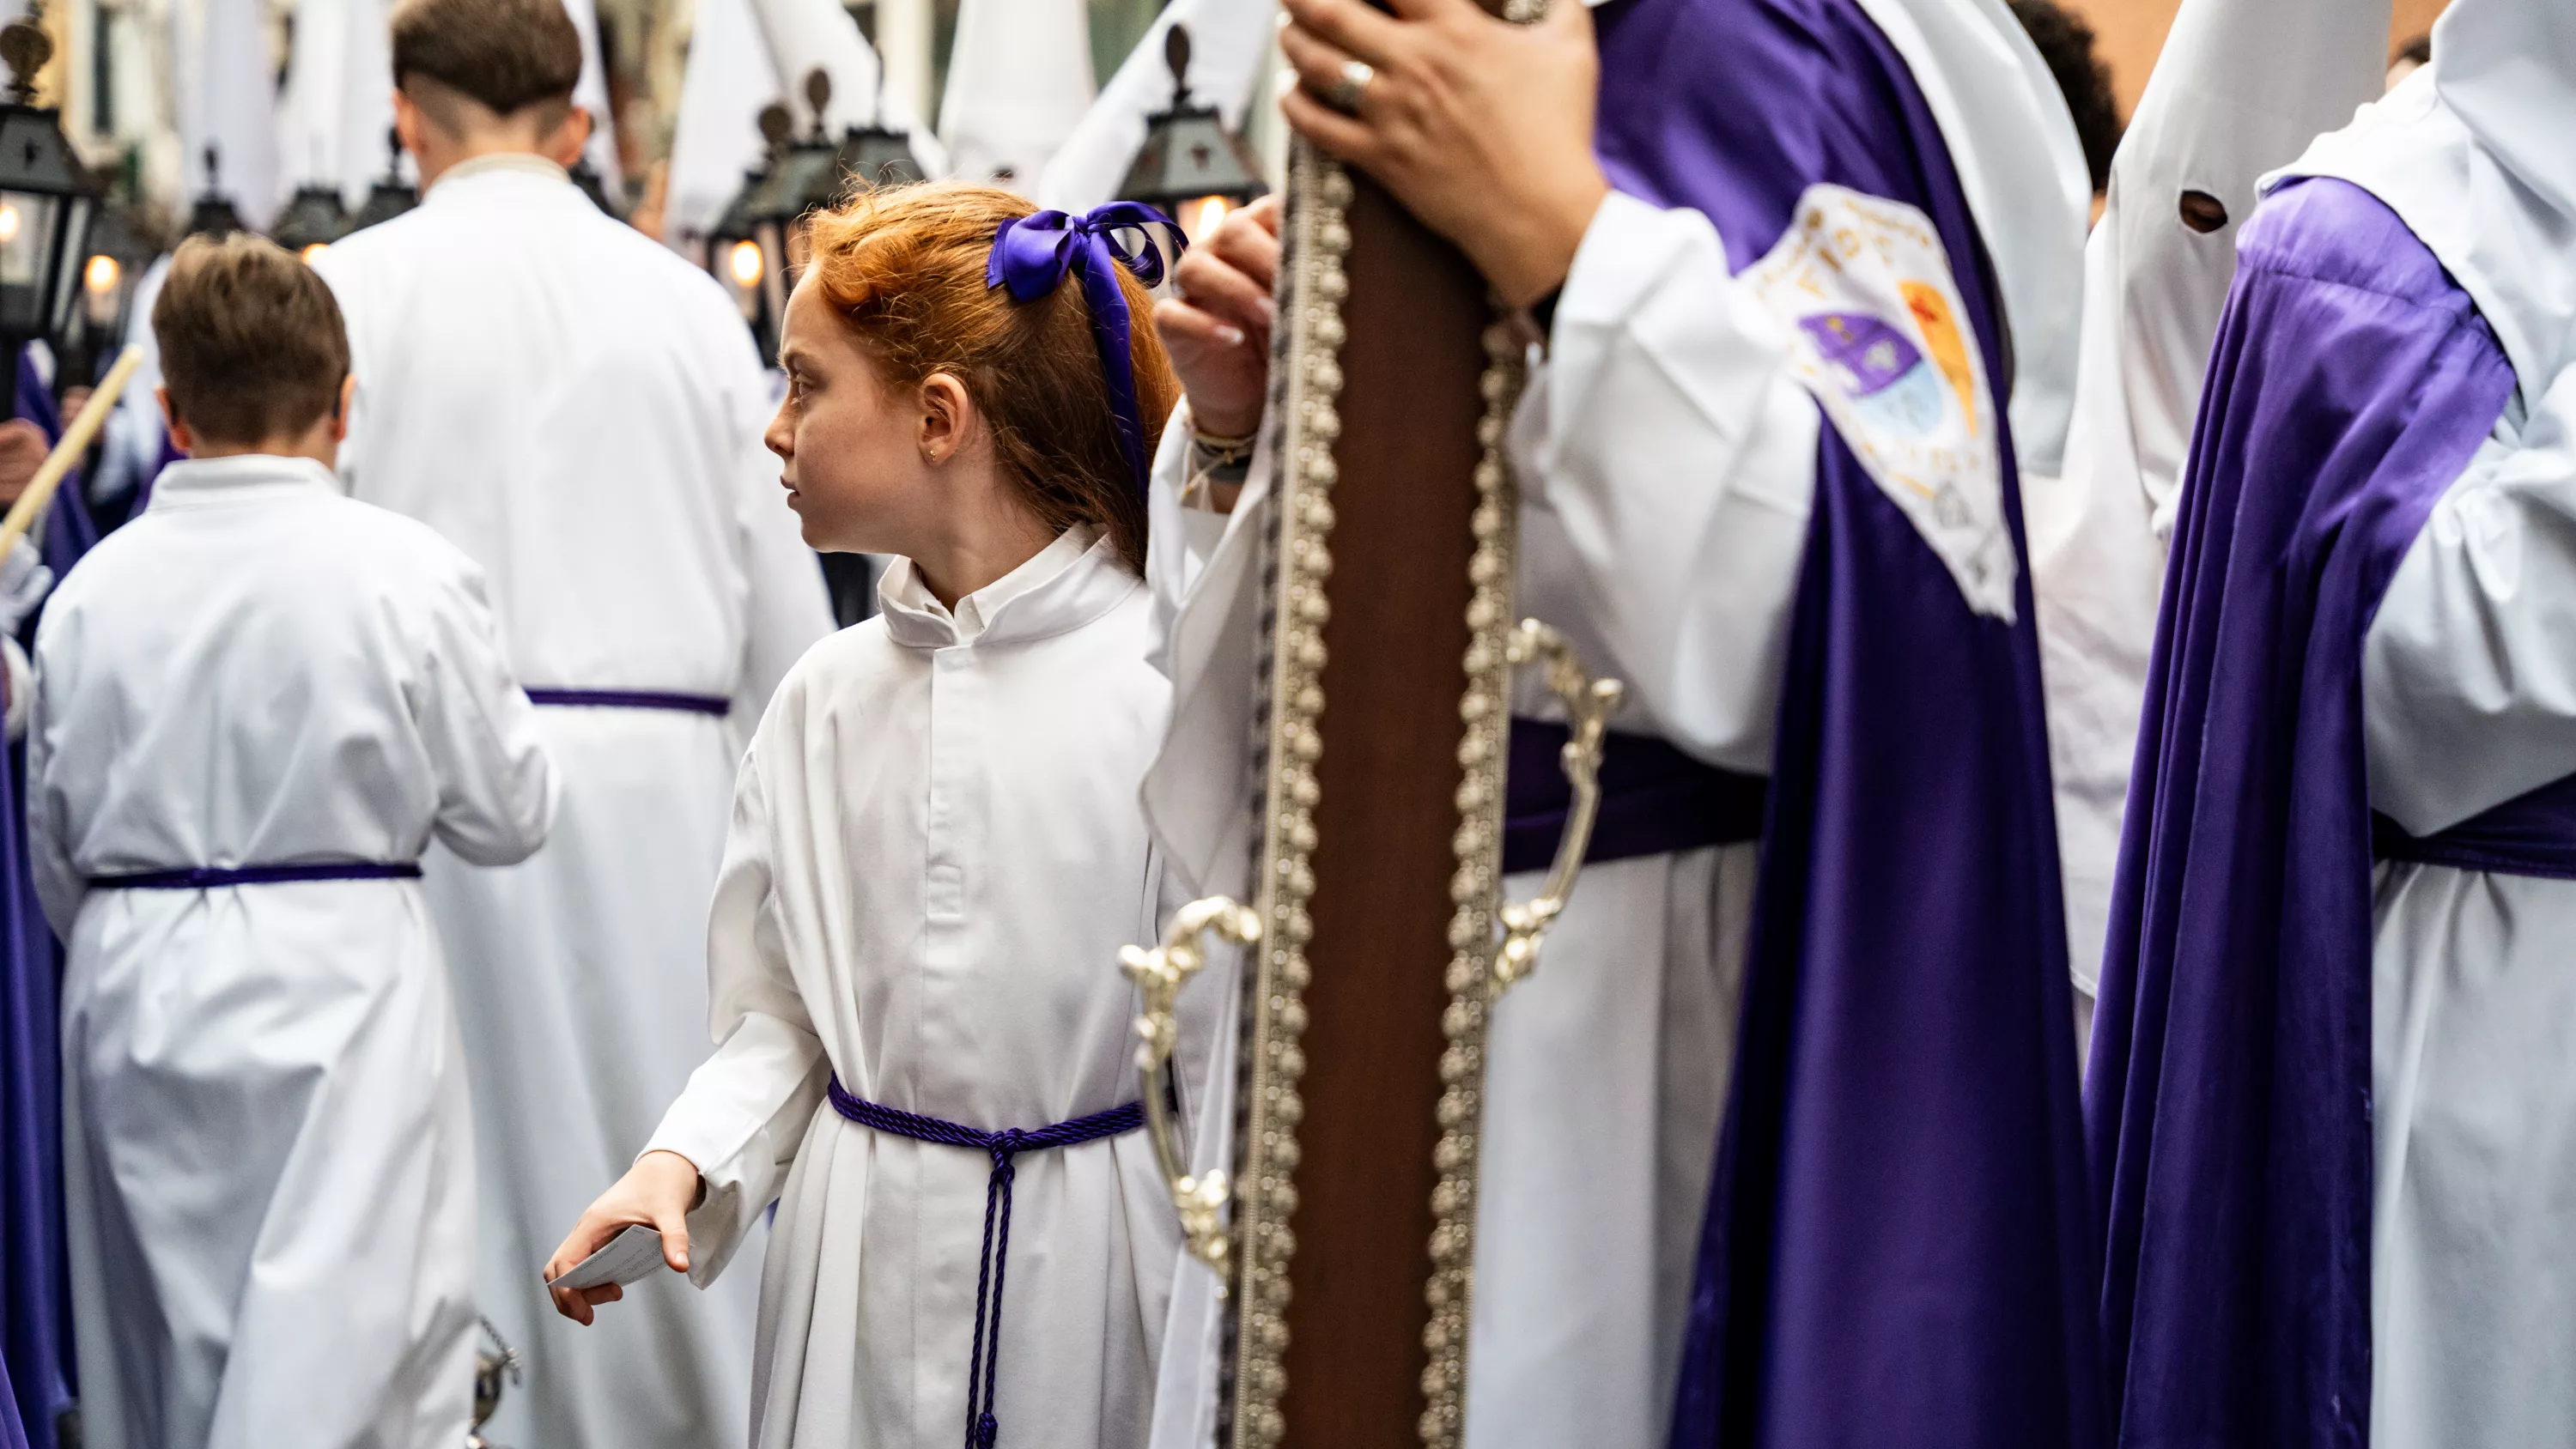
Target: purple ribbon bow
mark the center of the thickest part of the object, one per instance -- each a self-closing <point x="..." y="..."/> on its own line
<point x="1032" y="253"/>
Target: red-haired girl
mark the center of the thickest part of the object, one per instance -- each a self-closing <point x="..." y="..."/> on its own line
<point x="936" y="852"/>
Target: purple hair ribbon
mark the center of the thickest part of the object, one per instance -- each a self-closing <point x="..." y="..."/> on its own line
<point x="1032" y="253"/>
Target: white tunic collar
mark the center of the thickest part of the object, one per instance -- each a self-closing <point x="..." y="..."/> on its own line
<point x="211" y="480"/>
<point x="521" y="164"/>
<point x="1064" y="585"/>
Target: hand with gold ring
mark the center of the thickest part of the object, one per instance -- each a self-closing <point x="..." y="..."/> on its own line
<point x="1482" y="128"/>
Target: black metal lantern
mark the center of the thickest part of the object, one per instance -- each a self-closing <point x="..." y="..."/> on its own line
<point x="878" y="156"/>
<point x="214" y="213"/>
<point x="46" y="199"/>
<point x="1191" y="168"/>
<point x="313" y="219"/>
<point x="119" y="253"/>
<point x="391" y="196"/>
<point x="733" y="244"/>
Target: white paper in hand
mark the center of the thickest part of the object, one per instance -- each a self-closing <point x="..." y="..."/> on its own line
<point x="632" y="1256"/>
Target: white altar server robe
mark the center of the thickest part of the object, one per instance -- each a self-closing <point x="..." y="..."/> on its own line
<point x="935" y="857"/>
<point x="580" y="411"/>
<point x="1666" y="460"/>
<point x="270" y="1163"/>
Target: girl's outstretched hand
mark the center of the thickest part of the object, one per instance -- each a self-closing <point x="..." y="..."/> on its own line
<point x="1216" y="325"/>
<point x="657" y="1191"/>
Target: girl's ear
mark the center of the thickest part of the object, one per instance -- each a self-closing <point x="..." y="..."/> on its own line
<point x="947" y="413"/>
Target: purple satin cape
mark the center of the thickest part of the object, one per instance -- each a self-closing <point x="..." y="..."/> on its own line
<point x="1898" y="1247"/>
<point x="2228" y="1105"/>
<point x="35" y="1291"/>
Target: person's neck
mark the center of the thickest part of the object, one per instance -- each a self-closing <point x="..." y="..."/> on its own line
<point x="436" y="162"/>
<point x="323" y="449"/>
<point x="981" y="550"/>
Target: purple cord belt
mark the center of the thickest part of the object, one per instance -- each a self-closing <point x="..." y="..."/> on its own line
<point x="216" y="877"/>
<point x="982" y="1363"/>
<point x="633" y="699"/>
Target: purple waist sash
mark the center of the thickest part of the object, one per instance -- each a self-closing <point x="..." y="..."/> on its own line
<point x="209" y="877"/>
<point x="2533" y="834"/>
<point x="633" y="699"/>
<point x="1654" y="799"/>
<point x="982" y="1363"/>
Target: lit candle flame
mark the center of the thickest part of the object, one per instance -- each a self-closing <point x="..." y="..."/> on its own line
<point x="101" y="275"/>
<point x="9" y="222"/>
<point x="1200" y="218"/>
<point x="746" y="264"/>
<point x="313" y="253"/>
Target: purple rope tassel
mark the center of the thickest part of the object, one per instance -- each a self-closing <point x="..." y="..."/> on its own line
<point x="983" y="1364"/>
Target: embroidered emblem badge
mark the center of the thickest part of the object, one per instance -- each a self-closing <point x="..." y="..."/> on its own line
<point x="1864" y="289"/>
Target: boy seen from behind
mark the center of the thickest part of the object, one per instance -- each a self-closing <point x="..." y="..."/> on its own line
<point x="255" y="707"/>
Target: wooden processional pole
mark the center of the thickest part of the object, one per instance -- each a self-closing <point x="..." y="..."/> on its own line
<point x="1376" y="928"/>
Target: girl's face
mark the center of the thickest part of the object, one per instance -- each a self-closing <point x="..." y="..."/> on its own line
<point x="860" y="455"/>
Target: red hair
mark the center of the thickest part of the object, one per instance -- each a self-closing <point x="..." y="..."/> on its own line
<point x="904" y="266"/>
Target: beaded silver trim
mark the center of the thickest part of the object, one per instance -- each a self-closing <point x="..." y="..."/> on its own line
<point x="1308" y="363"/>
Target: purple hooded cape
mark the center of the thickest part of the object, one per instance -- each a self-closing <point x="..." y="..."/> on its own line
<point x="2229" y="1099"/>
<point x="1898" y="1245"/>
<point x="35" y="1293"/>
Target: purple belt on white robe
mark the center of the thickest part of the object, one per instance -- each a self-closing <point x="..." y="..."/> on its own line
<point x="981" y="1364"/>
<point x="216" y="877"/>
<point x="1654" y="800"/>
<point x="2532" y="835"/>
<point x="663" y="699"/>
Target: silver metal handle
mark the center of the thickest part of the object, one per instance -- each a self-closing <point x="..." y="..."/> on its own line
<point x="1589" y="703"/>
<point x="1159" y="975"/>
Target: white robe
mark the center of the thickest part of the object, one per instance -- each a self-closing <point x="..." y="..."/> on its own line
<point x="935" y="858"/>
<point x="2469" y="699"/>
<point x="1666" y="460"/>
<point x="2219" y="111"/>
<point x="579" y="410"/>
<point x="270" y="1168"/>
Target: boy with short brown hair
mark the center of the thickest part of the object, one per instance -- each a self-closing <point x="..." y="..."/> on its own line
<point x="255" y="706"/>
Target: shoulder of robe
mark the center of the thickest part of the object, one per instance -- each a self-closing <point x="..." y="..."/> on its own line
<point x="2330" y="231"/>
<point x="820" y="672"/>
<point x="398" y="553"/>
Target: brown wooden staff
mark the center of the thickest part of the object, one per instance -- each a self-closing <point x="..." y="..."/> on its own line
<point x="75" y="441"/>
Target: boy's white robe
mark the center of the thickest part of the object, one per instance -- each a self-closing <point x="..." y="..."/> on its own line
<point x="270" y="1165"/>
<point x="580" y="410"/>
<point x="935" y="858"/>
<point x="1666" y="460"/>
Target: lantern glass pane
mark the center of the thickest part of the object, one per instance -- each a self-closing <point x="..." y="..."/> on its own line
<point x="27" y="224"/>
<point x="62" y="264"/>
<point x="774" y="280"/>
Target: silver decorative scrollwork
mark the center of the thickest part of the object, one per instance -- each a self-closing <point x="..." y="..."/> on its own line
<point x="1159" y="975"/>
<point x="1589" y="703"/>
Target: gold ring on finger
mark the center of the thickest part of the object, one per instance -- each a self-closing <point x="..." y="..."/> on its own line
<point x="1350" y="87"/>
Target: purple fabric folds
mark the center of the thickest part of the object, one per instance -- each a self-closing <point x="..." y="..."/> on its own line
<point x="1898" y="1247"/>
<point x="35" y="1286"/>
<point x="1032" y="253"/>
<point x="2228" y="1105"/>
